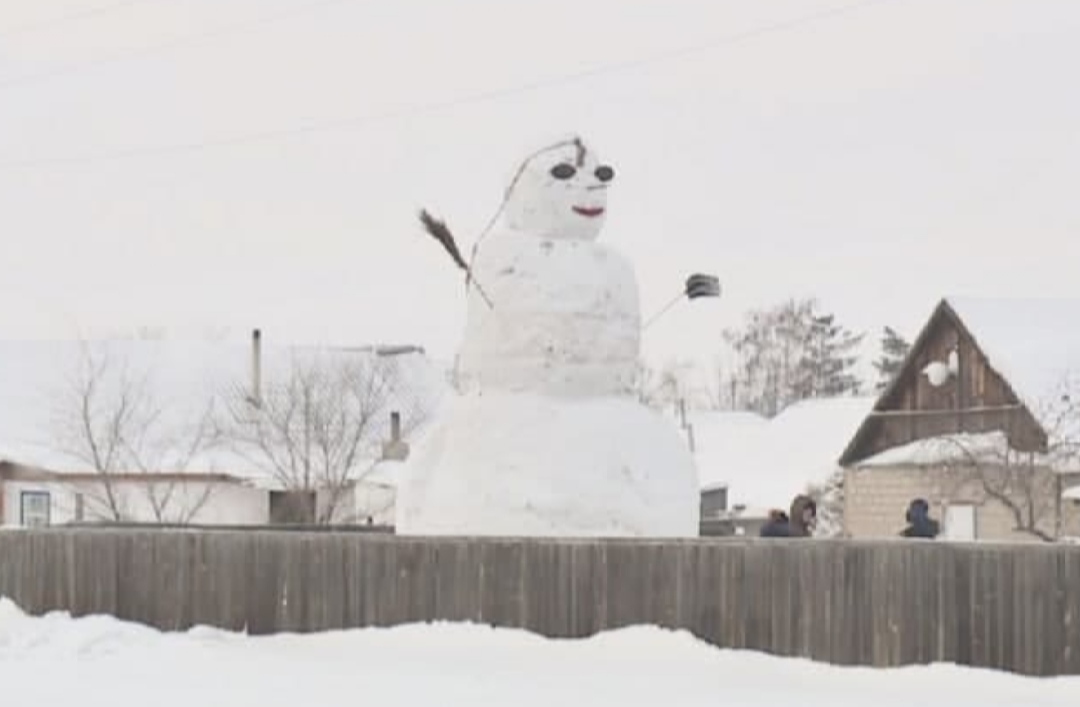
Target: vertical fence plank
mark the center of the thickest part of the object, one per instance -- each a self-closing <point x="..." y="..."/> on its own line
<point x="547" y="585"/>
<point x="457" y="581"/>
<point x="1070" y="624"/>
<point x="588" y="588"/>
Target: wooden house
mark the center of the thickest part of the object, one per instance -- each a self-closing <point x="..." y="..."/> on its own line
<point x="981" y="421"/>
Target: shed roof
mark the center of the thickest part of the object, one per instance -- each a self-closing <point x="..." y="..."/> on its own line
<point x="765" y="463"/>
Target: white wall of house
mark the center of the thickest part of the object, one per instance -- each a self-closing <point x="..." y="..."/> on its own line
<point x="337" y="504"/>
<point x="375" y="501"/>
<point x="358" y="503"/>
<point x="212" y="503"/>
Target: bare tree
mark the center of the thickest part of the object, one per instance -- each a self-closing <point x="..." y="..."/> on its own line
<point x="319" y="427"/>
<point x="659" y="387"/>
<point x="164" y="459"/>
<point x="1013" y="479"/>
<point x="108" y="419"/>
<point x="790" y="352"/>
<point x="677" y="382"/>
<point x="1025" y="483"/>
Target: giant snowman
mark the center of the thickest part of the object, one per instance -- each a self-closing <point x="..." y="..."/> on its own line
<point x="546" y="436"/>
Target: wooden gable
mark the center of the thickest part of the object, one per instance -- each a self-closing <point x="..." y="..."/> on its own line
<point x="977" y="399"/>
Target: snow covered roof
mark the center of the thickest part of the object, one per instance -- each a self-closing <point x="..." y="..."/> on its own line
<point x="720" y="436"/>
<point x="988" y="447"/>
<point x="969" y="448"/>
<point x="182" y="378"/>
<point x="765" y="463"/>
<point x="1034" y="343"/>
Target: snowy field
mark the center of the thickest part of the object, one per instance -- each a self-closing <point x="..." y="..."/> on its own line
<point x="56" y="660"/>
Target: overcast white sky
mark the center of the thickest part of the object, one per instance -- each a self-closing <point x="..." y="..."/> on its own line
<point x="878" y="159"/>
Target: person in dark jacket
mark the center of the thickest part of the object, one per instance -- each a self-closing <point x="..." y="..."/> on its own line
<point x="777" y="525"/>
<point x="803" y="517"/>
<point x="920" y="524"/>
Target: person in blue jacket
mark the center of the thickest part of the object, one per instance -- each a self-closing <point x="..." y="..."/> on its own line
<point x="777" y="525"/>
<point x="920" y="524"/>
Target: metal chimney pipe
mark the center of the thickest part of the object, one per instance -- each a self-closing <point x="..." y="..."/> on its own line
<point x="395" y="426"/>
<point x="256" y="366"/>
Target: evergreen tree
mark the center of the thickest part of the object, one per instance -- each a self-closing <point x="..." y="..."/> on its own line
<point x="831" y="356"/>
<point x="894" y="349"/>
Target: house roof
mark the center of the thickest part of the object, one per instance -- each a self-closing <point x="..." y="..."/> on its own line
<point x="765" y="463"/>
<point x="181" y="377"/>
<point x="1034" y="346"/>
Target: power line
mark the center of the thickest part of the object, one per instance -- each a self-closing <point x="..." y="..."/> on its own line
<point x="43" y="25"/>
<point x="177" y="43"/>
<point x="352" y="122"/>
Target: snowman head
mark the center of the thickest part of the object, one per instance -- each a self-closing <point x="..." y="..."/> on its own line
<point x="560" y="192"/>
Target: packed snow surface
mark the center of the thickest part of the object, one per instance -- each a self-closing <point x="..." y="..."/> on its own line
<point x="528" y="464"/>
<point x="98" y="661"/>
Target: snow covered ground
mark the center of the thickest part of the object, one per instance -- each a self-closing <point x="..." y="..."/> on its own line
<point x="56" y="660"/>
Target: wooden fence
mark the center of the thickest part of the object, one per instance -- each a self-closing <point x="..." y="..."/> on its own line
<point x="1013" y="607"/>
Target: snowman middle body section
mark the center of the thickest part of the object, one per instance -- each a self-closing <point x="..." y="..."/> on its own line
<point x="565" y="319"/>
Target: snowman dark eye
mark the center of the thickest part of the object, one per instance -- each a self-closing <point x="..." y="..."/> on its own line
<point x="605" y="173"/>
<point x="563" y="171"/>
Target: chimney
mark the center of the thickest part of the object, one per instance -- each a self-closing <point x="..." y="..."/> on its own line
<point x="395" y="427"/>
<point x="395" y="448"/>
<point x="256" y="367"/>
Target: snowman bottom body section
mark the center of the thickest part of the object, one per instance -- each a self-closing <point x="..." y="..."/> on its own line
<point x="526" y="464"/>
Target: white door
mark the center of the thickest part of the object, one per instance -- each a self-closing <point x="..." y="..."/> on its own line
<point x="960" y="522"/>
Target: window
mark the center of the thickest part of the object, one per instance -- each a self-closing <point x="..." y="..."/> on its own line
<point x="80" y="508"/>
<point x="34" y="508"/>
<point x="292" y="507"/>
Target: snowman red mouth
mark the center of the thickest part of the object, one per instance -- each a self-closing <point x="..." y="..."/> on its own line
<point x="589" y="211"/>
